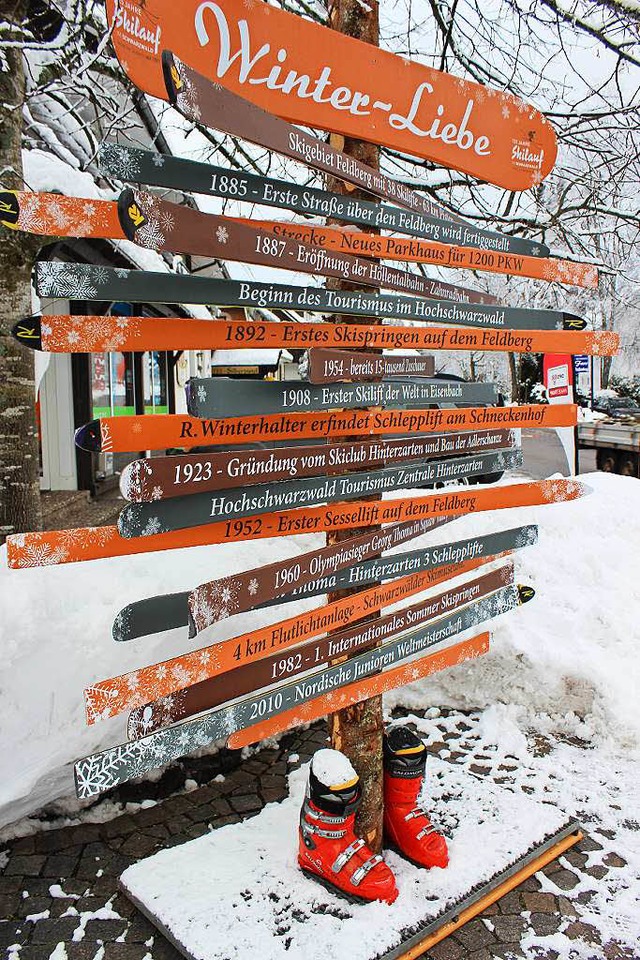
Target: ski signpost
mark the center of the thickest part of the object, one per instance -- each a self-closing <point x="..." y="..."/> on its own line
<point x="157" y="478"/>
<point x="390" y="423"/>
<point x="197" y="508"/>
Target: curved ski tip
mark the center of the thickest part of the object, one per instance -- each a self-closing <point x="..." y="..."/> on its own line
<point x="571" y="322"/>
<point x="89" y="437"/>
<point x="9" y="208"/>
<point x="172" y="78"/>
<point x="130" y="215"/>
<point x="121" y="628"/>
<point x="131" y="482"/>
<point x="28" y="332"/>
<point x="525" y="593"/>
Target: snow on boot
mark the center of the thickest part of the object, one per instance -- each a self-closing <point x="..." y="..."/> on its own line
<point x="407" y="827"/>
<point x="329" y="850"/>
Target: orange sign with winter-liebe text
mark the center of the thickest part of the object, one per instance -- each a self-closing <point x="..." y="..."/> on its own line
<point x="309" y="74"/>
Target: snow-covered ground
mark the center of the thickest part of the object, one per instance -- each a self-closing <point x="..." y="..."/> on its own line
<point x="563" y="669"/>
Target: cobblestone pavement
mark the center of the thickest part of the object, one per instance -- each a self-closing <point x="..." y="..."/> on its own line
<point x="59" y="887"/>
<point x="65" y="509"/>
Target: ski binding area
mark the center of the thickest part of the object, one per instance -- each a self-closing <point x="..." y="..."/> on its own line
<point x="236" y="890"/>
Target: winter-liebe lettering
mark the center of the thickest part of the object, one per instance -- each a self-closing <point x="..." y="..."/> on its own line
<point x="437" y="125"/>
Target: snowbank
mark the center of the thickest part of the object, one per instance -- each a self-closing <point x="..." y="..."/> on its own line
<point x="566" y="661"/>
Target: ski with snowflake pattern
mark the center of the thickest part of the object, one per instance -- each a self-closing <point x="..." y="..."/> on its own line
<point x="159" y="478"/>
<point x="162" y="431"/>
<point x="311" y="575"/>
<point x="158" y="224"/>
<point x="91" y="543"/>
<point x="106" y="769"/>
<point x="194" y="509"/>
<point x="95" y="334"/>
<point x="84" y="281"/>
<point x="486" y="251"/>
<point x="221" y="397"/>
<point x="257" y="669"/>
<point x="55" y="215"/>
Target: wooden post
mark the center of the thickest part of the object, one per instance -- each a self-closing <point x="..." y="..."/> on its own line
<point x="357" y="730"/>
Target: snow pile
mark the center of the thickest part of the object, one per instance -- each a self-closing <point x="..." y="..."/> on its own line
<point x="55" y="636"/>
<point x="567" y="662"/>
<point x="332" y="767"/>
<point x="239" y="887"/>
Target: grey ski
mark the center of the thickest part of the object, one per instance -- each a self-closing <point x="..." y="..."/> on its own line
<point x="132" y="165"/>
<point x="196" y="509"/>
<point x="220" y="397"/>
<point x="84" y="281"/>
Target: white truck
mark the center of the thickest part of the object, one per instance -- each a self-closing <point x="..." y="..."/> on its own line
<point x="616" y="442"/>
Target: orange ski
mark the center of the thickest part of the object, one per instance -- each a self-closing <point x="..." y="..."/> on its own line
<point x="94" y="334"/>
<point x="131" y="433"/>
<point x="318" y="77"/>
<point x="410" y="249"/>
<point x="92" y="543"/>
<point x="55" y="215"/>
<point x="355" y="692"/>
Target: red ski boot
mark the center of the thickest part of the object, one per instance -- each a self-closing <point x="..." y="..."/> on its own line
<point x="407" y="828"/>
<point x="329" y="850"/>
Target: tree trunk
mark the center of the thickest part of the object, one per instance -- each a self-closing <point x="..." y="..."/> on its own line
<point x="515" y="377"/>
<point x="357" y="730"/>
<point x="19" y="459"/>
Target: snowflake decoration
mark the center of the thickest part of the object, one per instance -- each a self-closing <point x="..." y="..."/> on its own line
<point x="527" y="537"/>
<point x="42" y="555"/>
<point x="222" y="234"/>
<point x="156" y="493"/>
<point x="535" y="251"/>
<point x="167" y="220"/>
<point x="151" y="235"/>
<point x="121" y="629"/>
<point x="158" y="159"/>
<point x="72" y="281"/>
<point x="133" y="680"/>
<point x="122" y="273"/>
<point x="201" y="393"/>
<point x="253" y="587"/>
<point x="121" y="162"/>
<point x="153" y="526"/>
<point x="506" y="113"/>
